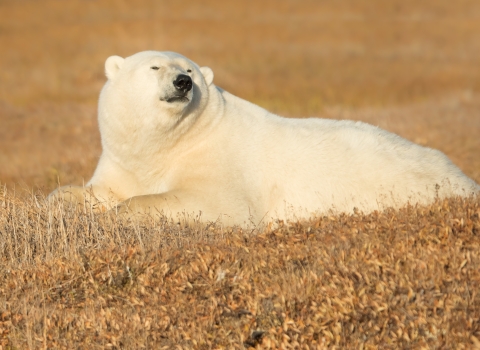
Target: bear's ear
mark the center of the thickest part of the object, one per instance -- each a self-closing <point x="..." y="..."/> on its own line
<point x="207" y="74"/>
<point x="113" y="65"/>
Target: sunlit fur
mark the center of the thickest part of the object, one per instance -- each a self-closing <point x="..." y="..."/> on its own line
<point x="233" y="161"/>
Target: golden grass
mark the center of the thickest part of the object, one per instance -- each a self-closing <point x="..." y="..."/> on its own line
<point x="398" y="279"/>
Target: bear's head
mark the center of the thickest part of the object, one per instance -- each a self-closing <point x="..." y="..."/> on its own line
<point x="152" y="92"/>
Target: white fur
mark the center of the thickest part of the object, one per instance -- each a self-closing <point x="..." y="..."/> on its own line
<point x="235" y="161"/>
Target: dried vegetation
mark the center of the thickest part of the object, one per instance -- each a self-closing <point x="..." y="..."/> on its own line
<point x="398" y="279"/>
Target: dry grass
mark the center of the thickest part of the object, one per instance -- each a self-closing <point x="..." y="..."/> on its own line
<point x="399" y="279"/>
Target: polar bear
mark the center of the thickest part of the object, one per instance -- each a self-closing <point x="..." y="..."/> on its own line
<point x="176" y="143"/>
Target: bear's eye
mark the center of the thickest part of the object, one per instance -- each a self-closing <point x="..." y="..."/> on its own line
<point x="154" y="67"/>
<point x="189" y="71"/>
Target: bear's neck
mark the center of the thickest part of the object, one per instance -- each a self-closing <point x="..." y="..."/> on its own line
<point x="141" y="145"/>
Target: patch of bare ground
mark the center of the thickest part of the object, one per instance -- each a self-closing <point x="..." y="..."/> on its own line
<point x="396" y="279"/>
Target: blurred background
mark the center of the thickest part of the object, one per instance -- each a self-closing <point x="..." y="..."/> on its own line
<point x="411" y="67"/>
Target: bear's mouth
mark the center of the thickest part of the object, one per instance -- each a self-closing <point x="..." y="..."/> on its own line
<point x="177" y="99"/>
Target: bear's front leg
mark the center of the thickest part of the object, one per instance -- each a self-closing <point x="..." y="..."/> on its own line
<point x="89" y="196"/>
<point x="180" y="206"/>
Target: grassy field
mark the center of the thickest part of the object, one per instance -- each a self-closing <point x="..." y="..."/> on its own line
<point x="399" y="279"/>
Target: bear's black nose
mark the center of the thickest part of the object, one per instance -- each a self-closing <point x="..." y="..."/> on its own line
<point x="183" y="83"/>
